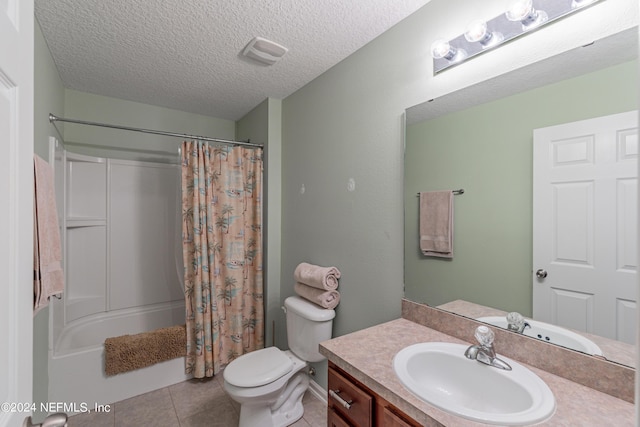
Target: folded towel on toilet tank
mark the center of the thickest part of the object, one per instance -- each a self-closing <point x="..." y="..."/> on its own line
<point x="317" y="276"/>
<point x="321" y="297"/>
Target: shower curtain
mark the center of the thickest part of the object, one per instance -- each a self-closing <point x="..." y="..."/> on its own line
<point x="222" y="252"/>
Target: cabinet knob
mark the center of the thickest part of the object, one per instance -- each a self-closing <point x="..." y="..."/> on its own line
<point x="336" y="395"/>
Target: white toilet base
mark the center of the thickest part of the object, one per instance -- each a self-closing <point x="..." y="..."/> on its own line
<point x="285" y="411"/>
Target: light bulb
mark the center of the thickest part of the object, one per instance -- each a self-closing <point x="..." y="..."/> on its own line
<point x="519" y="10"/>
<point x="477" y="32"/>
<point x="523" y="11"/>
<point x="443" y="49"/>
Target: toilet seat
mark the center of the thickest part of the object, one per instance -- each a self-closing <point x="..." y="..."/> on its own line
<point x="258" y="368"/>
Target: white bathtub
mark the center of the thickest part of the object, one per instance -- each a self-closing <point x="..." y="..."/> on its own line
<point x="76" y="364"/>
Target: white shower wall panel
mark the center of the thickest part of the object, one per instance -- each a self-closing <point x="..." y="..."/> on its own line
<point x="86" y="187"/>
<point x="143" y="209"/>
<point x="86" y="274"/>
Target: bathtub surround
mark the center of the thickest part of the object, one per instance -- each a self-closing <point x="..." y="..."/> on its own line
<point x="130" y="352"/>
<point x="222" y="254"/>
<point x="119" y="222"/>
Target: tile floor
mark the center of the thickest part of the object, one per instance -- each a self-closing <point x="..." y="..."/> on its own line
<point x="192" y="403"/>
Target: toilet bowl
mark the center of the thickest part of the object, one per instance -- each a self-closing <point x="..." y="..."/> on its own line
<point x="277" y="403"/>
<point x="270" y="383"/>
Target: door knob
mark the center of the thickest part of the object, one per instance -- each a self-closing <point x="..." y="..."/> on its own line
<point x="541" y="274"/>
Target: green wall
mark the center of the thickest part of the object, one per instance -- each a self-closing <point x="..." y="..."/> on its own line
<point x="487" y="150"/>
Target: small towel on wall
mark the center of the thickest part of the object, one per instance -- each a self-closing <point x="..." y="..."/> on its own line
<point x="321" y="297"/>
<point x="436" y="223"/>
<point x="316" y="276"/>
<point x="48" y="278"/>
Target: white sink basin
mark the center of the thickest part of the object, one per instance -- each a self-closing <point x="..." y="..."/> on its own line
<point x="442" y="376"/>
<point x="550" y="333"/>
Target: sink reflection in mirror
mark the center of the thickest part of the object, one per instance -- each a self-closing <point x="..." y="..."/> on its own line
<point x="612" y="350"/>
<point x="441" y="375"/>
<point x="551" y="334"/>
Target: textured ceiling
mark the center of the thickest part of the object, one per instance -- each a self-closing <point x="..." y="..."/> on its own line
<point x="185" y="54"/>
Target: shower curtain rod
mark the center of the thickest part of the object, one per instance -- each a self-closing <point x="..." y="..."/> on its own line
<point x="53" y="118"/>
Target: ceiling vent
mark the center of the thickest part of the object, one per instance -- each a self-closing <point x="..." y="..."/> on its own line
<point x="264" y="51"/>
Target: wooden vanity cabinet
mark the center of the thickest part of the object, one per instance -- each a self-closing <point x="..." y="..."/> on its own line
<point x="351" y="404"/>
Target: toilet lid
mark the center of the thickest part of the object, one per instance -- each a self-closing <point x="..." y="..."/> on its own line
<point x="258" y="368"/>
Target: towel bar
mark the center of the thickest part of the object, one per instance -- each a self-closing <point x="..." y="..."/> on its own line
<point x="460" y="191"/>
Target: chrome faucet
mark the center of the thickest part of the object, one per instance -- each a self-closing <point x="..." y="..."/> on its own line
<point x="516" y="323"/>
<point x="484" y="352"/>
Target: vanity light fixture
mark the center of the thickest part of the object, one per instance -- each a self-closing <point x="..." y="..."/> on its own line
<point x="522" y="17"/>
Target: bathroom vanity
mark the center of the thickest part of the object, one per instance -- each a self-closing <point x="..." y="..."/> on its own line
<point x="587" y="391"/>
<point x="351" y="403"/>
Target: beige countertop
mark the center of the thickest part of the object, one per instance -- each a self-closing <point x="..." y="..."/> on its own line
<point x="367" y="355"/>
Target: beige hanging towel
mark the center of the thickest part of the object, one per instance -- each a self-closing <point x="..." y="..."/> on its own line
<point x="48" y="278"/>
<point x="436" y="223"/>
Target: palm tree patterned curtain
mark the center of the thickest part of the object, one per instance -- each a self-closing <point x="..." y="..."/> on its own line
<point x="222" y="252"/>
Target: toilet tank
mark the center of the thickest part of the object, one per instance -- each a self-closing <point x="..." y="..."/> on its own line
<point x="307" y="325"/>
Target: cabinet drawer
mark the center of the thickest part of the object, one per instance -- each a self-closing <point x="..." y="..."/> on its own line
<point x="335" y="420"/>
<point x="349" y="400"/>
<point x="391" y="419"/>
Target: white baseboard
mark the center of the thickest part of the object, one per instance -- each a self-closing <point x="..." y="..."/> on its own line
<point x="318" y="391"/>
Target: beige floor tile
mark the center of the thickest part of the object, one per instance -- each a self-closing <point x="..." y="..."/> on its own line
<point x="222" y="414"/>
<point x="154" y="408"/>
<point x="315" y="411"/>
<point x="301" y="423"/>
<point x="190" y="397"/>
<point x="92" y="419"/>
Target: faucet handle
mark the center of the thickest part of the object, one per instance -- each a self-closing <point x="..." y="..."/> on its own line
<point x="485" y="336"/>
<point x="515" y="321"/>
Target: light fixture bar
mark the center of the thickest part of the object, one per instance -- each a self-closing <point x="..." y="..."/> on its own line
<point x="523" y="17"/>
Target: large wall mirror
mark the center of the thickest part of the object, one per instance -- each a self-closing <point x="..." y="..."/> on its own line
<point x="480" y="139"/>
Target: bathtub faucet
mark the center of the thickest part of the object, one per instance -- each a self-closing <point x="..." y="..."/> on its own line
<point x="53" y="420"/>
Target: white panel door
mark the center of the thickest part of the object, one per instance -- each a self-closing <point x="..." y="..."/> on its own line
<point x="585" y="225"/>
<point x="16" y="209"/>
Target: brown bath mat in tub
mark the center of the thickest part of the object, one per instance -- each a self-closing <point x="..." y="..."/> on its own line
<point x="130" y="352"/>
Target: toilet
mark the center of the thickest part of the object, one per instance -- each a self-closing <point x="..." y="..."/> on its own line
<point x="269" y="384"/>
